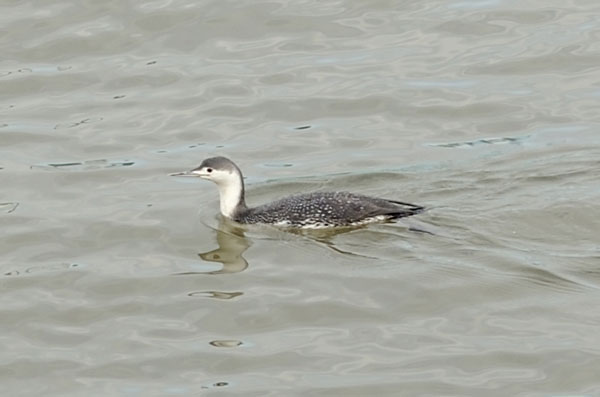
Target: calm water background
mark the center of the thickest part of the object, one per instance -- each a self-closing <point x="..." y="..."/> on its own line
<point x="120" y="281"/>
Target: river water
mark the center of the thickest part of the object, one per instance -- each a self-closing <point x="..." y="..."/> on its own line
<point x="120" y="281"/>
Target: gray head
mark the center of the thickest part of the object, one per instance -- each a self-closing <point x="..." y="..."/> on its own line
<point x="228" y="178"/>
<point x="219" y="170"/>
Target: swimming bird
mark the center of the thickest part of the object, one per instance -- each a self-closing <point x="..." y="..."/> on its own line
<point x="308" y="210"/>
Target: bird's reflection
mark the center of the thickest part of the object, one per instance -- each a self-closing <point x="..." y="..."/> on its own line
<point x="232" y="244"/>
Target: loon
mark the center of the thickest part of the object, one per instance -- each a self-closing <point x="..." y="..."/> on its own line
<point x="309" y="210"/>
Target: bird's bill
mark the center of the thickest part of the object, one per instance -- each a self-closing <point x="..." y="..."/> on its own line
<point x="185" y="173"/>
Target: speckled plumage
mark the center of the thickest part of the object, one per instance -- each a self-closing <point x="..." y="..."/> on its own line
<point x="310" y="210"/>
<point x="326" y="209"/>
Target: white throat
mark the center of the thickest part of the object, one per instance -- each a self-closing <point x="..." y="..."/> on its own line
<point x="230" y="194"/>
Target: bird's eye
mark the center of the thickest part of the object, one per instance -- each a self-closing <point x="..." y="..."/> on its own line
<point x="209" y="170"/>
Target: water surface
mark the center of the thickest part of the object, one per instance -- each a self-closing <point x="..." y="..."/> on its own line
<point x="120" y="281"/>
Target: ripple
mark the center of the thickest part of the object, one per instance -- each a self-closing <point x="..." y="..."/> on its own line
<point x="78" y="123"/>
<point x="566" y="61"/>
<point x="548" y="279"/>
<point x="483" y="141"/>
<point x="204" y="146"/>
<point x="227" y="343"/>
<point x="8" y="207"/>
<point x="278" y="165"/>
<point x="84" y="165"/>
<point x="45" y="268"/>
<point x="216" y="294"/>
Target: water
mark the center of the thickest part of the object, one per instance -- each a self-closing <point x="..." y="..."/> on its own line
<point x="118" y="280"/>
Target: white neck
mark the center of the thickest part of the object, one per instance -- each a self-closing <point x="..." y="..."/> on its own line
<point x="230" y="196"/>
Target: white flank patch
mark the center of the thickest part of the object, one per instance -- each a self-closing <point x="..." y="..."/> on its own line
<point x="319" y="225"/>
<point x="373" y="219"/>
<point x="308" y="224"/>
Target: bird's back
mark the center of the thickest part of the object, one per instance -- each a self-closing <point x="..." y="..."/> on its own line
<point x="325" y="209"/>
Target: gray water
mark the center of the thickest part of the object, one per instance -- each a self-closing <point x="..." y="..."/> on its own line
<point x="120" y="281"/>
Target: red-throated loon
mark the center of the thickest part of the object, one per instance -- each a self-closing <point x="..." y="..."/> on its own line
<point x="310" y="210"/>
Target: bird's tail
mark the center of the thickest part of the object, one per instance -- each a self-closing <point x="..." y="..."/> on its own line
<point x="414" y="208"/>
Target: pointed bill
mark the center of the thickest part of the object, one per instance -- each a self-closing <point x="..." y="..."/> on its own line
<point x="185" y="173"/>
